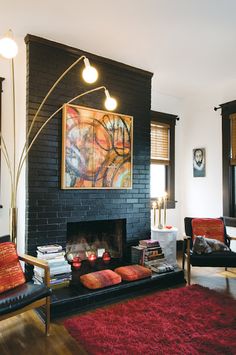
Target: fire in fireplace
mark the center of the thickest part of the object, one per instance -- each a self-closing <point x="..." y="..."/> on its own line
<point x="84" y="238"/>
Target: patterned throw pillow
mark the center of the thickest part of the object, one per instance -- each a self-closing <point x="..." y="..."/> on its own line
<point x="100" y="279"/>
<point x="11" y="274"/>
<point x="133" y="272"/>
<point x="212" y="228"/>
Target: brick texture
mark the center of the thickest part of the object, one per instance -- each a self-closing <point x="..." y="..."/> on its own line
<point x="49" y="208"/>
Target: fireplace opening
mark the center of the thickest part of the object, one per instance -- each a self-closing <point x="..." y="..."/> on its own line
<point x="84" y="238"/>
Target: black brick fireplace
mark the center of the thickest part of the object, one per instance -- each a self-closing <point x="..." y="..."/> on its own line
<point x="53" y="214"/>
<point x="49" y="208"/>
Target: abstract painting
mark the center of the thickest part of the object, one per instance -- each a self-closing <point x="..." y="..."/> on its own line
<point x="96" y="149"/>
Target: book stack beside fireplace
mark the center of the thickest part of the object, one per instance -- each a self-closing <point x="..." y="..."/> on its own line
<point x="148" y="253"/>
<point x="60" y="270"/>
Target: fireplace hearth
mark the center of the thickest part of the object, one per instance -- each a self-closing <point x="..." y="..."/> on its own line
<point x="77" y="298"/>
<point x="95" y="235"/>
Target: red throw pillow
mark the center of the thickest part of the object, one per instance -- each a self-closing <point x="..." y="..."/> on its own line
<point x="212" y="228"/>
<point x="11" y="273"/>
<point x="100" y="279"/>
<point x="133" y="272"/>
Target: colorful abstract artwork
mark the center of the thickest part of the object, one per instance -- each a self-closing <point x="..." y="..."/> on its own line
<point x="96" y="149"/>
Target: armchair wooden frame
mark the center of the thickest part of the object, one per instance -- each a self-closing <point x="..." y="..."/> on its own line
<point x="28" y="259"/>
<point x="186" y="255"/>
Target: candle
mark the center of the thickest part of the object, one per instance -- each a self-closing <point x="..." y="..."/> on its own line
<point x="154" y="206"/>
<point x="92" y="258"/>
<point x="76" y="262"/>
<point x="106" y="257"/>
<point x="159" y="201"/>
<point x="164" y="206"/>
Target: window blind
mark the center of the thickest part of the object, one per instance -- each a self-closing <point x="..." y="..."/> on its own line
<point x="160" y="143"/>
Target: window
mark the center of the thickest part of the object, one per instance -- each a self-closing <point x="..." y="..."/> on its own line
<point x="162" y="168"/>
<point x="160" y="150"/>
<point x="229" y="158"/>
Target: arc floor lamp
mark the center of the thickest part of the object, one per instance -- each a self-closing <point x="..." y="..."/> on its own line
<point x="9" y="49"/>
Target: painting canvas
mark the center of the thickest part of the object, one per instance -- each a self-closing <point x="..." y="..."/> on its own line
<point x="199" y="162"/>
<point x="96" y="149"/>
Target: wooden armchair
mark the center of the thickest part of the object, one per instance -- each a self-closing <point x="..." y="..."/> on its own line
<point x="27" y="295"/>
<point x="213" y="228"/>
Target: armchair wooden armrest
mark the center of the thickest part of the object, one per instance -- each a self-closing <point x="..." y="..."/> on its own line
<point x="231" y="238"/>
<point x="186" y="237"/>
<point x="28" y="259"/>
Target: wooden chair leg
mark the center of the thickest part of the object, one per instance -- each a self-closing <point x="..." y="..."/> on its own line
<point x="188" y="262"/>
<point x="183" y="260"/>
<point x="188" y="272"/>
<point x="47" y="316"/>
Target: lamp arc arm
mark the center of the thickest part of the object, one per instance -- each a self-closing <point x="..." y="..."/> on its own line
<point x="51" y="90"/>
<point x="43" y="102"/>
<point x="6" y="157"/>
<point x="4" y="150"/>
<point x="21" y="163"/>
<point x="14" y="117"/>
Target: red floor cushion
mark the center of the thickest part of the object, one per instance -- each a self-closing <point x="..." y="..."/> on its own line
<point x="212" y="228"/>
<point x="133" y="272"/>
<point x="11" y="273"/>
<point x="100" y="279"/>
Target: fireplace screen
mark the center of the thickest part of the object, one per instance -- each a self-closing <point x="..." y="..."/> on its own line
<point x="96" y="237"/>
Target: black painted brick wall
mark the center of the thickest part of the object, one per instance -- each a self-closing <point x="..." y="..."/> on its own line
<point x="48" y="207"/>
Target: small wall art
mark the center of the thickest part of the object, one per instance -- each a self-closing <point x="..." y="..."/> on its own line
<point x="199" y="162"/>
<point x="96" y="149"/>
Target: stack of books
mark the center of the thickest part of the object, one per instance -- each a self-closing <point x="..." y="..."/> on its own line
<point x="153" y="253"/>
<point x="162" y="268"/>
<point x="148" y="253"/>
<point x="60" y="270"/>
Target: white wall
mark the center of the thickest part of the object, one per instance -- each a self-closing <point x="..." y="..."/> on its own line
<point x="203" y="196"/>
<point x="7" y="131"/>
<point x="199" y="126"/>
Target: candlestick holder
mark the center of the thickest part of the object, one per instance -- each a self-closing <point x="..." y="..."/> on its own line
<point x="154" y="207"/>
<point x="164" y="207"/>
<point x="160" y="226"/>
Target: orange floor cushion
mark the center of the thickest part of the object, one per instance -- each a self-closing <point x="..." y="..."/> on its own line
<point x="133" y="272"/>
<point x="11" y="273"/>
<point x="100" y="279"/>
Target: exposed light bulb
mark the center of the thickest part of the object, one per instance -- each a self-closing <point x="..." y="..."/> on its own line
<point x="89" y="74"/>
<point x="8" y="47"/>
<point x="110" y="102"/>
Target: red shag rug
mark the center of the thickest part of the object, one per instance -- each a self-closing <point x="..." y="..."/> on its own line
<point x="189" y="320"/>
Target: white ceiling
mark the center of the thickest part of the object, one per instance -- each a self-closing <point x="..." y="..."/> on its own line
<point x="188" y="44"/>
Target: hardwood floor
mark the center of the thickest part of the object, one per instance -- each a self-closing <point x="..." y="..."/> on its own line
<point x="25" y="333"/>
